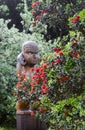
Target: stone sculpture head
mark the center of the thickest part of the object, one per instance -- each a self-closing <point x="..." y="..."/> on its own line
<point x="28" y="57"/>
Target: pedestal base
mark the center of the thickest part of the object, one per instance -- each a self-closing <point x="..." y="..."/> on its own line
<point x="26" y="122"/>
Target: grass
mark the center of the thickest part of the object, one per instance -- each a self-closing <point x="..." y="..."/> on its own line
<point x="7" y="128"/>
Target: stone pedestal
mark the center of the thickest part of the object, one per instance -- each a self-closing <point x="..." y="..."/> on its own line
<point x="26" y="122"/>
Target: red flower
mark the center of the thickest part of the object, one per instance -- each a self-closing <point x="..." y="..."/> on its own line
<point x="52" y="63"/>
<point x="76" y="19"/>
<point x="66" y="113"/>
<point x="74" y="42"/>
<point x="79" y="52"/>
<point x="35" y="4"/>
<point x="58" y="60"/>
<point x="38" y="70"/>
<point x="43" y="76"/>
<point x="83" y="100"/>
<point x="24" y="76"/>
<point x="32" y="83"/>
<point x="45" y="81"/>
<point x="37" y="17"/>
<point x="32" y="69"/>
<point x="25" y="88"/>
<point x="40" y="110"/>
<point x="57" y="49"/>
<point x="45" y="66"/>
<point x="61" y="53"/>
<point x="19" y="84"/>
<point x="32" y="114"/>
<point x="33" y="12"/>
<point x="44" y="11"/>
<point x="44" y="89"/>
<point x="61" y="79"/>
<point x="38" y="81"/>
<point x="75" y="55"/>
<point x="71" y="52"/>
<point x="66" y="78"/>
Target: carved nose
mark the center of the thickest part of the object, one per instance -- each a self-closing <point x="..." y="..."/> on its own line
<point x="34" y="55"/>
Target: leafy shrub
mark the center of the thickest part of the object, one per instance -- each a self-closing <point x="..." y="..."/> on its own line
<point x="78" y="21"/>
<point x="62" y="82"/>
<point x="10" y="46"/>
<point x="9" y="49"/>
<point x="55" y="14"/>
<point x="4" y="11"/>
<point x="68" y="114"/>
<point x="58" y="85"/>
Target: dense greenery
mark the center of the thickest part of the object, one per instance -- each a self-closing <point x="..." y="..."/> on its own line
<point x="53" y="14"/>
<point x="10" y="47"/>
<point x="52" y="24"/>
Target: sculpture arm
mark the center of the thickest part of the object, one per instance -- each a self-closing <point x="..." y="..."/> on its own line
<point x="20" y="63"/>
<point x="19" y="68"/>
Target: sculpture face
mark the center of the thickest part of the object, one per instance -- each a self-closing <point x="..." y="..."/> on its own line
<point x="27" y="58"/>
<point x="30" y="53"/>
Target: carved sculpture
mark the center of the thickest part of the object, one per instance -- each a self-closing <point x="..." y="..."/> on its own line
<point x="28" y="58"/>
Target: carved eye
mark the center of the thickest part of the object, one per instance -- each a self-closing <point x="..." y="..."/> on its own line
<point x="27" y="52"/>
<point x="31" y="52"/>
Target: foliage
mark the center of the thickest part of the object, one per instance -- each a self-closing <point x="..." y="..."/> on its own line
<point x="55" y="14"/>
<point x="58" y="84"/>
<point x="68" y="114"/>
<point x="61" y="80"/>
<point x="23" y="88"/>
<point x="10" y="41"/>
<point x="7" y="74"/>
<point x="10" y="46"/>
<point x="78" y="21"/>
<point x="57" y="87"/>
<point x="52" y="14"/>
<point x="6" y="128"/>
<point x="4" y="11"/>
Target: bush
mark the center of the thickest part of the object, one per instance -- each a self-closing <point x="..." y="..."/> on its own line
<point x="55" y="14"/>
<point x="63" y="86"/>
<point x="58" y="84"/>
<point x="57" y="87"/>
<point x="10" y="46"/>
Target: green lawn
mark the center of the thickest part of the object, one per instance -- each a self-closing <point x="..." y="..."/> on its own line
<point x="7" y="128"/>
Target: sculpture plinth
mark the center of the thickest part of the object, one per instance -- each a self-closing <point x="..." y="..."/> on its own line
<point x="26" y="122"/>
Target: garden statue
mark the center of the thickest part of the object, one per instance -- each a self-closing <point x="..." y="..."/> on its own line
<point x="28" y="58"/>
<point x="27" y="61"/>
